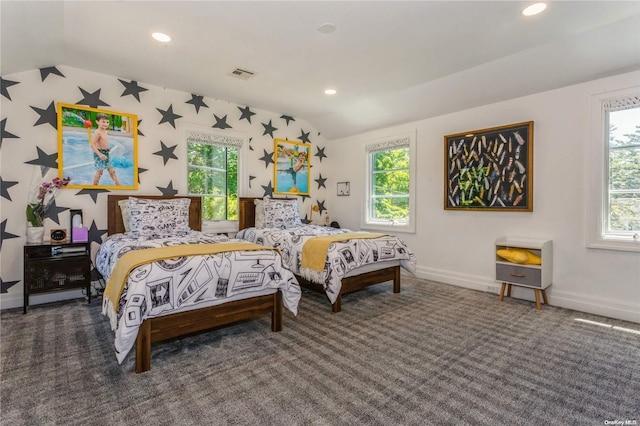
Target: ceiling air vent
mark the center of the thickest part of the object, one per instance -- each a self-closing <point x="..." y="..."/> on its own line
<point x="242" y="74"/>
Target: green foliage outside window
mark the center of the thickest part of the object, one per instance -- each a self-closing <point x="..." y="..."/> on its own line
<point x="213" y="175"/>
<point x="390" y="184"/>
<point x="624" y="182"/>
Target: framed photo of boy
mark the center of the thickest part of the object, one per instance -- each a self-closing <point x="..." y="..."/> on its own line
<point x="292" y="164"/>
<point x="490" y="169"/>
<point x="97" y="148"/>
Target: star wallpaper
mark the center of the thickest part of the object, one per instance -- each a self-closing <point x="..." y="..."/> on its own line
<point x="29" y="150"/>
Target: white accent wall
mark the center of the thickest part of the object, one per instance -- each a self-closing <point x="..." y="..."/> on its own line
<point x="457" y="247"/>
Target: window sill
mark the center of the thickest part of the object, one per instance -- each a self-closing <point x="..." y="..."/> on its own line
<point x="615" y="244"/>
<point x="408" y="229"/>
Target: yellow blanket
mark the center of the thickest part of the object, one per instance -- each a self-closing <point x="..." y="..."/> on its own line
<point x="314" y="251"/>
<point x="135" y="258"/>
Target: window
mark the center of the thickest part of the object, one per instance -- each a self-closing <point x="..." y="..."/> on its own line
<point x="614" y="210"/>
<point x="389" y="203"/>
<point x="213" y="172"/>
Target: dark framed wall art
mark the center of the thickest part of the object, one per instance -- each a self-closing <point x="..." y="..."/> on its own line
<point x="97" y="148"/>
<point x="490" y="169"/>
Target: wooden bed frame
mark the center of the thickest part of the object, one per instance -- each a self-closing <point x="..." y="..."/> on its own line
<point x="247" y="219"/>
<point x="167" y="327"/>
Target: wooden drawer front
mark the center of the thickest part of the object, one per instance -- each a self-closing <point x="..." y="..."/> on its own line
<point x="519" y="275"/>
<point x="48" y="275"/>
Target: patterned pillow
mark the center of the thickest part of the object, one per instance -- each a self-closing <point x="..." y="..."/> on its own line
<point x="259" y="213"/>
<point x="281" y="213"/>
<point x="126" y="214"/>
<point x="159" y="217"/>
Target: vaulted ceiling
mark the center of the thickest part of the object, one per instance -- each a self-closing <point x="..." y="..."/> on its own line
<point x="390" y="61"/>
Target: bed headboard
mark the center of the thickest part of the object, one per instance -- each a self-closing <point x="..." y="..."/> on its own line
<point x="246" y="212"/>
<point x="114" y="215"/>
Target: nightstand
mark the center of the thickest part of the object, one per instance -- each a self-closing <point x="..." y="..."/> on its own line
<point x="56" y="267"/>
<point x="537" y="277"/>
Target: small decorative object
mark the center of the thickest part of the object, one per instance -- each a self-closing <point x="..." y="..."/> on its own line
<point x="79" y="233"/>
<point x="343" y="189"/>
<point x="41" y="203"/>
<point x="291" y="170"/>
<point x="59" y="235"/>
<point x="313" y="208"/>
<point x="490" y="169"/>
<point x="35" y="234"/>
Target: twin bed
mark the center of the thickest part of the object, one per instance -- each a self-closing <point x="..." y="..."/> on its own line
<point x="192" y="281"/>
<point x="181" y="295"/>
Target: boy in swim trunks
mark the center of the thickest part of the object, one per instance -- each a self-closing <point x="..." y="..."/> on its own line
<point x="100" y="147"/>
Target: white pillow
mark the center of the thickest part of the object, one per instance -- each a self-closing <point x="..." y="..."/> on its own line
<point x="259" y="213"/>
<point x="126" y="214"/>
<point x="159" y="217"/>
<point x="281" y="213"/>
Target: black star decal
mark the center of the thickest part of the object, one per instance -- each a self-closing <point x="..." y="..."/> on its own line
<point x="320" y="153"/>
<point x="5" y="85"/>
<point x="91" y="99"/>
<point x="4" y="187"/>
<point x="5" y="235"/>
<point x="138" y="126"/>
<point x="304" y="197"/>
<point x="141" y="170"/>
<point x="287" y="118"/>
<point x="246" y="113"/>
<point x="132" y="88"/>
<point x="168" y="116"/>
<point x="268" y="190"/>
<point x="47" y="115"/>
<point x="267" y="158"/>
<point x="95" y="234"/>
<point x="221" y="123"/>
<point x="44" y="72"/>
<point x="45" y="161"/>
<point x="4" y="133"/>
<point x="197" y="102"/>
<point x="166" y="152"/>
<point x="306" y="220"/>
<point x="93" y="193"/>
<point x="54" y="212"/>
<point x="268" y="129"/>
<point x="321" y="181"/>
<point x="304" y="137"/>
<point x="6" y="285"/>
<point x="168" y="191"/>
<point x="250" y="147"/>
<point x="250" y="179"/>
<point x="321" y="207"/>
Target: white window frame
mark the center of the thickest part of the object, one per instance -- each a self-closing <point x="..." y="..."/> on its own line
<point x="392" y="142"/>
<point x="598" y="176"/>
<point x="224" y="137"/>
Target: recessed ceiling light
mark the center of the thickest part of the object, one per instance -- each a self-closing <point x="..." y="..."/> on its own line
<point x="161" y="37"/>
<point x="327" y="28"/>
<point x="534" y="9"/>
<point x="330" y="92"/>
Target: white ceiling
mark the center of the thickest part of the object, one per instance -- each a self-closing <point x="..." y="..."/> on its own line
<point x="391" y="61"/>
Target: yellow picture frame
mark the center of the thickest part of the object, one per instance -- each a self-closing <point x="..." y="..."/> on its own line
<point x="291" y="172"/>
<point x="113" y="164"/>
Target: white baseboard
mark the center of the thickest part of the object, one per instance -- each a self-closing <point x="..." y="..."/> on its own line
<point x="594" y="305"/>
<point x="10" y="301"/>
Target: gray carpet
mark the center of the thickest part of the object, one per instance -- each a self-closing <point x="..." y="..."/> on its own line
<point x="433" y="354"/>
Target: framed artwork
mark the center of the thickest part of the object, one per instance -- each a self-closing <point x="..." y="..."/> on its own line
<point x="292" y="164"/>
<point x="343" y="189"/>
<point x="490" y="169"/>
<point x="97" y="148"/>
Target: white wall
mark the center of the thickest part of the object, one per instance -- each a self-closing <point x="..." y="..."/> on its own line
<point x="23" y="122"/>
<point x="457" y="247"/>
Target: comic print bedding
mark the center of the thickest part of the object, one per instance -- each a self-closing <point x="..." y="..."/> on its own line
<point x="342" y="257"/>
<point x="185" y="283"/>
